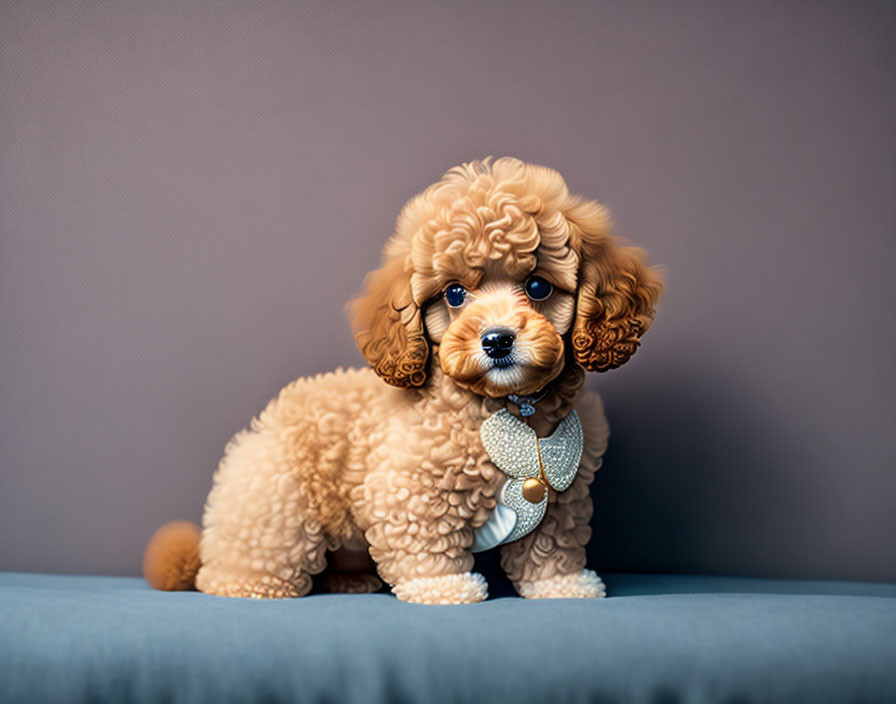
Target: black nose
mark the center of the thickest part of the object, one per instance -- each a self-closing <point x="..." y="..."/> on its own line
<point x="498" y="343"/>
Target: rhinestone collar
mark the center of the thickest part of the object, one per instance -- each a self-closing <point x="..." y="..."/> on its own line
<point x="533" y="465"/>
<point x="527" y="403"/>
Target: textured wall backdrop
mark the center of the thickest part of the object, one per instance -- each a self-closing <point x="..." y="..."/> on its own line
<point x="189" y="193"/>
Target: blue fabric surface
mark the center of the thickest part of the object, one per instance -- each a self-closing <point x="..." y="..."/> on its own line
<point x="655" y="639"/>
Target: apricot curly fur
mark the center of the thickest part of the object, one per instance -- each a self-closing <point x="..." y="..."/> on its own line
<point x="171" y="558"/>
<point x="390" y="326"/>
<point x="557" y="546"/>
<point x="343" y="462"/>
<point x="617" y="296"/>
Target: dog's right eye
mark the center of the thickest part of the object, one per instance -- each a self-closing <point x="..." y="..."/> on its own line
<point x="455" y="295"/>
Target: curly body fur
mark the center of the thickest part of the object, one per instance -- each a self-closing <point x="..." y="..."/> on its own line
<point x="342" y="465"/>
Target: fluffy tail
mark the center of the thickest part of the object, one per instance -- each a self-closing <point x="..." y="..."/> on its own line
<point x="171" y="559"/>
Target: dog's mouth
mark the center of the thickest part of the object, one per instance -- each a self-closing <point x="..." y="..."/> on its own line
<point x="512" y="374"/>
<point x="504" y="363"/>
<point x="505" y="375"/>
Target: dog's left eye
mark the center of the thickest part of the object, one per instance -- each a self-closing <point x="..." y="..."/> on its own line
<point x="455" y="295"/>
<point x="538" y="288"/>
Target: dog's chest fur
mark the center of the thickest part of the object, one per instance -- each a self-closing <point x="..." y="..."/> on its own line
<point x="393" y="460"/>
<point x="426" y="459"/>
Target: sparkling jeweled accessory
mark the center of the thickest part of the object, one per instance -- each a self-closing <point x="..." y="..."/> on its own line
<point x="532" y="465"/>
<point x="526" y="403"/>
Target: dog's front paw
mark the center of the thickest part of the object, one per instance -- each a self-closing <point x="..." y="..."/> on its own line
<point x="466" y="588"/>
<point x="584" y="585"/>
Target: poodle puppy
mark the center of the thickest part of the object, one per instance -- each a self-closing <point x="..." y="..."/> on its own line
<point x="497" y="292"/>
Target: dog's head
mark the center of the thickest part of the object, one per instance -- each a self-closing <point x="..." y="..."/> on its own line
<point x="508" y="277"/>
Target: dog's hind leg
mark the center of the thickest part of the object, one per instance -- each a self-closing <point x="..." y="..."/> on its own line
<point x="257" y="540"/>
<point x="350" y="572"/>
<point x="350" y="583"/>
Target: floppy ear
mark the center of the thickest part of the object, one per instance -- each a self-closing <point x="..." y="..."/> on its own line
<point x="389" y="328"/>
<point x="616" y="299"/>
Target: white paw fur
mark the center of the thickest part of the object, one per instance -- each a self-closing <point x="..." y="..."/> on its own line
<point x="584" y="585"/>
<point x="466" y="588"/>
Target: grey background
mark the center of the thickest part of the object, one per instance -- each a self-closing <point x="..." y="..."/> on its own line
<point x="190" y="193"/>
